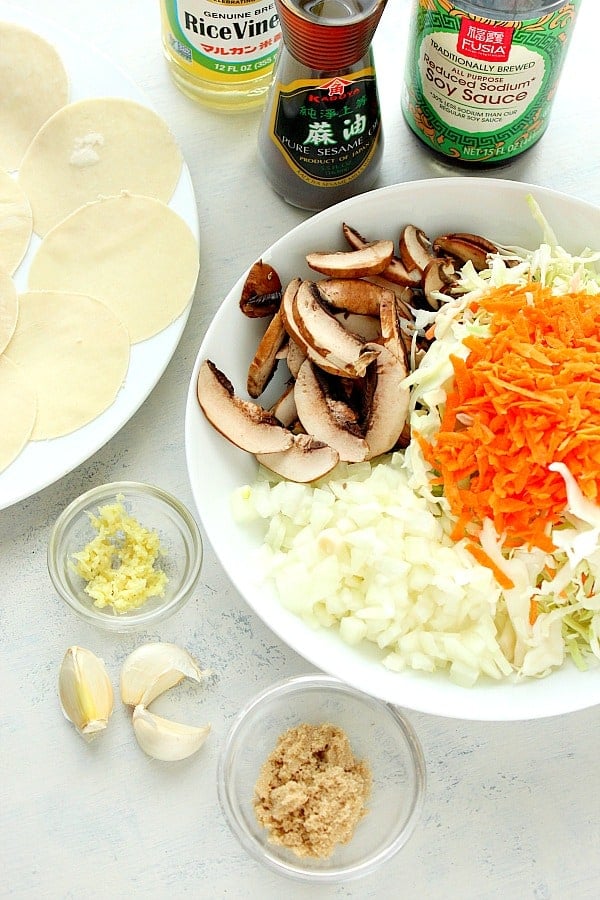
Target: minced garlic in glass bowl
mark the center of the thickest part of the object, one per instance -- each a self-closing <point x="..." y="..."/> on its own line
<point x="121" y="565"/>
<point x="125" y="555"/>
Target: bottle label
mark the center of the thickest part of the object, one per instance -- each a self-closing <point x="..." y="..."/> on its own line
<point x="479" y="89"/>
<point x="327" y="129"/>
<point x="218" y="40"/>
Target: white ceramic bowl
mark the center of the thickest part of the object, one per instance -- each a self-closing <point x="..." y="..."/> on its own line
<point x="378" y="734"/>
<point x="156" y="510"/>
<point x="492" y="207"/>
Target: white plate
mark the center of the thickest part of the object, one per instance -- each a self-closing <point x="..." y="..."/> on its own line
<point x="43" y="462"/>
<point x="492" y="207"/>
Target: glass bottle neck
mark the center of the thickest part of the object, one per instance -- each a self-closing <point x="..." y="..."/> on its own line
<point x="511" y="10"/>
<point x="329" y="35"/>
<point x="288" y="68"/>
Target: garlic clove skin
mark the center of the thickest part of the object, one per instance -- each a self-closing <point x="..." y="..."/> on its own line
<point x="165" y="740"/>
<point x="85" y="691"/>
<point x="152" y="669"/>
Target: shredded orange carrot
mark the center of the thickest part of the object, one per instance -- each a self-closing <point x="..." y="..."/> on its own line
<point x="534" y="610"/>
<point x="485" y="559"/>
<point x="526" y="396"/>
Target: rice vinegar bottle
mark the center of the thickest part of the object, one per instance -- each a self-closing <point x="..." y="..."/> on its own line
<point x="320" y="139"/>
<point x="221" y="52"/>
<point x="481" y="75"/>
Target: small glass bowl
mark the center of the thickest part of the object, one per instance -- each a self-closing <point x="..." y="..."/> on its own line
<point x="156" y="510"/>
<point x="378" y="734"/>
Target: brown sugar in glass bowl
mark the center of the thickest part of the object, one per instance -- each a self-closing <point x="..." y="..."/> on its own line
<point x="381" y="742"/>
<point x="312" y="792"/>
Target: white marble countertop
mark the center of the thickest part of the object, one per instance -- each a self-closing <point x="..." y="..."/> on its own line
<point x="511" y="809"/>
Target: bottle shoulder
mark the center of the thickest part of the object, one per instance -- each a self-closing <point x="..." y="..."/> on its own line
<point x="321" y="139"/>
<point x="509" y="10"/>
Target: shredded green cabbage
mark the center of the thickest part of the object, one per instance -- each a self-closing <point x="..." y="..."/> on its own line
<point x="565" y="623"/>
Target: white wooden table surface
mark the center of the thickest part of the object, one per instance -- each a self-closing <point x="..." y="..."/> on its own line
<point x="511" y="809"/>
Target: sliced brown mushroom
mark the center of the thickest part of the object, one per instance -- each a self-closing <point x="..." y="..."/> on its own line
<point x="284" y="408"/>
<point x="326" y="336"/>
<point x="465" y="247"/>
<point x="365" y="327"/>
<point x="478" y="239"/>
<point x="290" y="321"/>
<point x="370" y="259"/>
<point x="395" y="328"/>
<point x="288" y="315"/>
<point x="406" y="294"/>
<point x="326" y="415"/>
<point x="440" y="276"/>
<point x="263" y="365"/>
<point x="387" y="407"/>
<point x="415" y="248"/>
<point x="306" y="460"/>
<point x="261" y="293"/>
<point x="395" y="271"/>
<point x="404" y="439"/>
<point x="295" y="357"/>
<point x="353" y="295"/>
<point x="242" y="422"/>
<point x="353" y="237"/>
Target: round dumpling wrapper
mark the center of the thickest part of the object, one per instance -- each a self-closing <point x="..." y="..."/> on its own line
<point x="34" y="85"/>
<point x="95" y="148"/>
<point x="16" y="223"/>
<point x="9" y="309"/>
<point x="134" y="253"/>
<point x="74" y="353"/>
<point x="17" y="411"/>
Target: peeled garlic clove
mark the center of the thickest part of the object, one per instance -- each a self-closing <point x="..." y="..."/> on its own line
<point x="85" y="691"/>
<point x="154" y="668"/>
<point x="165" y="740"/>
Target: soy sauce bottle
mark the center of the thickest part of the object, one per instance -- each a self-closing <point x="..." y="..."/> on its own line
<point x="481" y="75"/>
<point x="320" y="139"/>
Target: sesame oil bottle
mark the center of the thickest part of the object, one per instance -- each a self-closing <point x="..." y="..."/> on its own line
<point x="320" y="139"/>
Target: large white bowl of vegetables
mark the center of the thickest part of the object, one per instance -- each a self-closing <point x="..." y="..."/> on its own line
<point x="457" y="571"/>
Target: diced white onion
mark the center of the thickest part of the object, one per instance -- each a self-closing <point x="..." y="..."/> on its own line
<point x="363" y="551"/>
